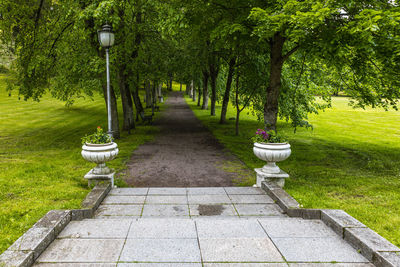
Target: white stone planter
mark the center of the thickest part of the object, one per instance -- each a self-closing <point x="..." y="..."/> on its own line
<point x="100" y="154"/>
<point x="272" y="153"/>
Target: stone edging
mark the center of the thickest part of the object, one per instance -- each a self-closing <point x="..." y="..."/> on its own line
<point x="33" y="242"/>
<point x="374" y="247"/>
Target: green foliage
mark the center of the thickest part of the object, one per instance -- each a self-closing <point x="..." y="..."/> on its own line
<point x="296" y="19"/>
<point x="99" y="137"/>
<point x="345" y="44"/>
<point x="268" y="137"/>
<point x="328" y="46"/>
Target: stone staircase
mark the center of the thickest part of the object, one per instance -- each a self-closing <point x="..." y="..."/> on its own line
<point x="182" y="227"/>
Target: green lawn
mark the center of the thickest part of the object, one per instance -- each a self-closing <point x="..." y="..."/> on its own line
<point x="350" y="161"/>
<point x="40" y="163"/>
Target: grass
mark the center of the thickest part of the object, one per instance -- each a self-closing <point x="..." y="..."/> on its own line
<point x="350" y="161"/>
<point x="40" y="163"/>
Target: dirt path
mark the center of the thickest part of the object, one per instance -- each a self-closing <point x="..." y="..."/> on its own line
<point x="184" y="154"/>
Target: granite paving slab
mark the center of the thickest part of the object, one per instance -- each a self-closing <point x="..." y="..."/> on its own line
<point x="295" y="227"/>
<point x="151" y="210"/>
<point x="244" y="191"/>
<point x="112" y="228"/>
<point x="247" y="264"/>
<point x="229" y="229"/>
<point x="119" y="210"/>
<point x="83" y="250"/>
<point x="149" y="264"/>
<point x="129" y="191"/>
<point x="162" y="228"/>
<point x="208" y="199"/>
<point x="239" y="250"/>
<point x="124" y="199"/>
<point x="259" y="210"/>
<point x="206" y="191"/>
<point x="167" y="191"/>
<point x="165" y="199"/>
<point x="336" y="264"/>
<point x="75" y="264"/>
<point x="215" y="210"/>
<point x="161" y="250"/>
<point x="327" y="249"/>
<point x="251" y="199"/>
<point x="116" y="217"/>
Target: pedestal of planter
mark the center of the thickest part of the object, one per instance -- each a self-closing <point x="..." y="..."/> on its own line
<point x="277" y="178"/>
<point x="271" y="153"/>
<point x="94" y="179"/>
<point x="100" y="154"/>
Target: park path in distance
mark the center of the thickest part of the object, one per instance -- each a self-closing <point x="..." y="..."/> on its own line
<point x="183" y="154"/>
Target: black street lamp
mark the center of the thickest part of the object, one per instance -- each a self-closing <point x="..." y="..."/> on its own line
<point x="106" y="40"/>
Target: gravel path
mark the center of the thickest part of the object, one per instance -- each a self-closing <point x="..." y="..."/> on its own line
<point x="184" y="154"/>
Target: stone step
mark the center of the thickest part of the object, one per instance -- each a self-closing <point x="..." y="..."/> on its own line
<point x="261" y="242"/>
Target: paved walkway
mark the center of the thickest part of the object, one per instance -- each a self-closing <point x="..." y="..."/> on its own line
<point x="193" y="227"/>
<point x="183" y="154"/>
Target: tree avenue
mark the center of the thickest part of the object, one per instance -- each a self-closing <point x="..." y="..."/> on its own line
<point x="273" y="56"/>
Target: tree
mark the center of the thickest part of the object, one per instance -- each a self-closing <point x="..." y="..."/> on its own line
<point x="329" y="31"/>
<point x="305" y="47"/>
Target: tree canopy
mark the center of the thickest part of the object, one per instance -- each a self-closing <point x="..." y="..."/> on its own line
<point x="277" y="54"/>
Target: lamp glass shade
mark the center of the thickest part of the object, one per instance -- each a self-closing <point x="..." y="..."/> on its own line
<point x="106" y="37"/>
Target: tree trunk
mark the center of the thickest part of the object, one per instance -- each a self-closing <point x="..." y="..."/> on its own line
<point x="227" y="93"/>
<point x="187" y="89"/>
<point x="135" y="53"/>
<point x="237" y="106"/>
<point x="148" y="94"/>
<point x="153" y="97"/>
<point x="126" y="99"/>
<point x="160" y="96"/>
<point x="180" y="88"/>
<point x="191" y="89"/>
<point x="237" y="121"/>
<point x="136" y="98"/>
<point x="114" y="111"/>
<point x="213" y="81"/>
<point x="199" y="96"/>
<point x="194" y="92"/>
<point x="154" y="92"/>
<point x="274" y="83"/>
<point x="205" y="90"/>
<point x="169" y="82"/>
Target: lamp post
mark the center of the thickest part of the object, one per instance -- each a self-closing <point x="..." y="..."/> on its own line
<point x="106" y="40"/>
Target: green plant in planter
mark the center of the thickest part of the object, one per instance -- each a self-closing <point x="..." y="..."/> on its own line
<point x="99" y="137"/>
<point x="268" y="137"/>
